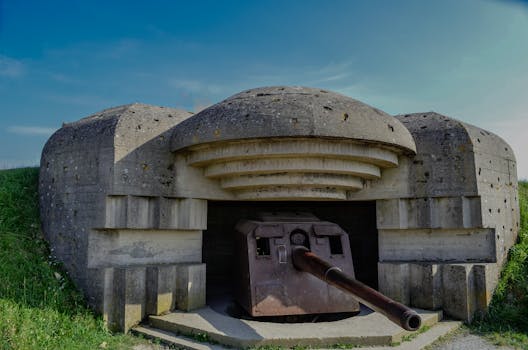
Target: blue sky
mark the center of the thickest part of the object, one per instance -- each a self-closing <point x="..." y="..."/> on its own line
<point x="63" y="60"/>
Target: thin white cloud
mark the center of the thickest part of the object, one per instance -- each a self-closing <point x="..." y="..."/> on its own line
<point x="331" y="73"/>
<point x="31" y="130"/>
<point x="335" y="77"/>
<point x="11" y="68"/>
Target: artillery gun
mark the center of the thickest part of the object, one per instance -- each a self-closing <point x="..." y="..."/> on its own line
<point x="296" y="264"/>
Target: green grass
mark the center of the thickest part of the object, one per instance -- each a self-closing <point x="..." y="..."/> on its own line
<point x="39" y="306"/>
<point x="507" y="319"/>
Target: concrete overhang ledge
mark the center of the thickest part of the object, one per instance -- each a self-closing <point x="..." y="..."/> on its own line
<point x="284" y="111"/>
<point x="284" y="143"/>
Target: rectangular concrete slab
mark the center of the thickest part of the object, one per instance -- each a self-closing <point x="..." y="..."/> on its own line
<point x="457" y="282"/>
<point x="190" y="286"/>
<point x="187" y="213"/>
<point x="459" y="245"/>
<point x="419" y="342"/>
<point x="161" y="289"/>
<point x="425" y="286"/>
<point x="367" y="329"/>
<point x="393" y="281"/>
<point x="126" y="247"/>
<point x="129" y="297"/>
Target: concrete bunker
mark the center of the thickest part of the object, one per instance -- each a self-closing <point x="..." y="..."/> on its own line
<point x="125" y="195"/>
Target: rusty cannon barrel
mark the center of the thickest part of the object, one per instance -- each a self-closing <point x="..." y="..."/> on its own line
<point x="305" y="260"/>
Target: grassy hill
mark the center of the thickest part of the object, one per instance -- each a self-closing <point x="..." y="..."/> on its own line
<point x="507" y="319"/>
<point x="41" y="309"/>
<point x="39" y="306"/>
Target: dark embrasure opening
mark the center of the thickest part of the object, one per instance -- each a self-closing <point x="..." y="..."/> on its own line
<point x="358" y="219"/>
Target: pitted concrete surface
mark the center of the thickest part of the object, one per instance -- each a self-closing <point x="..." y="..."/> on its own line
<point x="292" y="111"/>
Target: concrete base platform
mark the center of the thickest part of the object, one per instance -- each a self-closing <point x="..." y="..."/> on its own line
<point x="366" y="329"/>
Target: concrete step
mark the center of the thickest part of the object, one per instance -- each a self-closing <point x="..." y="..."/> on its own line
<point x="171" y="339"/>
<point x="424" y="339"/>
<point x="367" y="329"/>
<point x="419" y="342"/>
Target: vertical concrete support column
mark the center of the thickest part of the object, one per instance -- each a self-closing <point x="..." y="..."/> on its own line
<point x="108" y="297"/>
<point x="458" y="291"/>
<point x="485" y="279"/>
<point x="161" y="289"/>
<point x="393" y="281"/>
<point x="190" y="286"/>
<point x="426" y="286"/>
<point x="129" y="296"/>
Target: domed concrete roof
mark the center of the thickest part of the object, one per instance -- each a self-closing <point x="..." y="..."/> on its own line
<point x="283" y="111"/>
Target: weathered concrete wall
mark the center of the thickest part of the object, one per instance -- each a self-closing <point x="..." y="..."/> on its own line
<point x="461" y="208"/>
<point x="444" y="164"/>
<point x="496" y="179"/>
<point x="107" y="209"/>
<point x="76" y="169"/>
